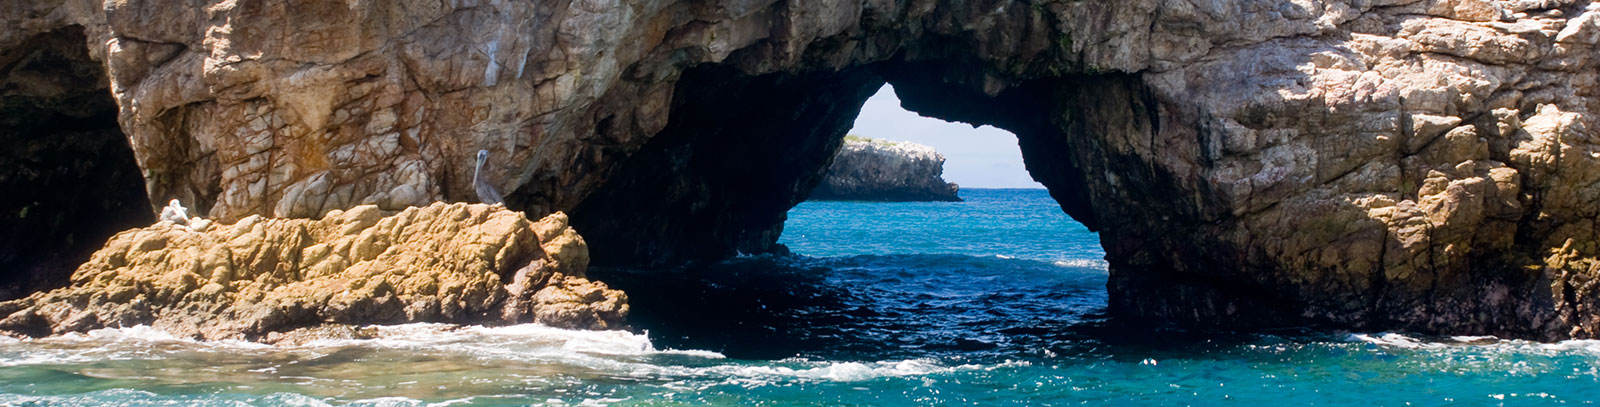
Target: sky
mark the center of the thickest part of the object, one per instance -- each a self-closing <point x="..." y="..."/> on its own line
<point x="983" y="157"/>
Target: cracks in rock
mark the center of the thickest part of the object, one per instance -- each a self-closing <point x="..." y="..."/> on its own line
<point x="1379" y="284"/>
<point x="1532" y="199"/>
<point x="171" y="55"/>
<point x="1341" y="175"/>
<point x="410" y="74"/>
<point x="1433" y="271"/>
<point x="1263" y="209"/>
<point x="1569" y="295"/>
<point x="1407" y="191"/>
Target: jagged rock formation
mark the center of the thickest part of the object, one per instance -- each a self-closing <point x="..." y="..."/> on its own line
<point x="867" y="169"/>
<point x="261" y="277"/>
<point x="1370" y="164"/>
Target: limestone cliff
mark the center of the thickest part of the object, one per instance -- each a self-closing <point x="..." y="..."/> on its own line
<point x="263" y="277"/>
<point x="1431" y="165"/>
<point x="868" y="169"/>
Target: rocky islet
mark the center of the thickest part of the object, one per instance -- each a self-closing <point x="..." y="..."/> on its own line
<point x="870" y="169"/>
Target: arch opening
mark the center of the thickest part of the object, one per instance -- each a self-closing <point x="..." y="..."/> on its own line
<point x="893" y="154"/>
<point x="1002" y="272"/>
<point x="999" y="199"/>
<point x="740" y="150"/>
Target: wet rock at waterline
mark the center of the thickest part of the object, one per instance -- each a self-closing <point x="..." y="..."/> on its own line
<point x="867" y="169"/>
<point x="1428" y="165"/>
<point x="260" y="277"/>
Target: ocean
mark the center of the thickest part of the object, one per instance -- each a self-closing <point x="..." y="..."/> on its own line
<point x="995" y="301"/>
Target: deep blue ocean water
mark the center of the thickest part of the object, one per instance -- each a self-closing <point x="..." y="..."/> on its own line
<point x="995" y="301"/>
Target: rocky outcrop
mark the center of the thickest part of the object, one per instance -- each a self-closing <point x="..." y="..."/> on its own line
<point x="868" y="169"/>
<point x="260" y="277"/>
<point x="1390" y="164"/>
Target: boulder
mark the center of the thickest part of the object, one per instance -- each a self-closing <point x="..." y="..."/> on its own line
<point x="456" y="263"/>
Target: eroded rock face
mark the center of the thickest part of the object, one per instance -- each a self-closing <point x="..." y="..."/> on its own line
<point x="261" y="277"/>
<point x="867" y="169"/>
<point x="1390" y="164"/>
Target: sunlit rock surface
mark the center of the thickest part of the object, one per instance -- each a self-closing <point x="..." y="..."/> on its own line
<point x="1429" y="165"/>
<point x="868" y="169"/>
<point x="455" y="263"/>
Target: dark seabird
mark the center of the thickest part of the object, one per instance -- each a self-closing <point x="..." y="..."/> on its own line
<point x="486" y="192"/>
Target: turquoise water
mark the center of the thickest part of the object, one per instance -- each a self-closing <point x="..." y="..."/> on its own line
<point x="996" y="301"/>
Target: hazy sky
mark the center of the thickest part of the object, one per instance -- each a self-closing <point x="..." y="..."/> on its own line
<point x="984" y="157"/>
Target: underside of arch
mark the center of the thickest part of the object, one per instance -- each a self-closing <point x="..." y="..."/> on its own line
<point x="737" y="152"/>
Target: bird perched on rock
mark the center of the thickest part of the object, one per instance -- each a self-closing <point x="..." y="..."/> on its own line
<point x="486" y="192"/>
<point x="175" y="213"/>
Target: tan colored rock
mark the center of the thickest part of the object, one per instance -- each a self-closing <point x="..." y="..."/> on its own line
<point x="259" y="276"/>
<point x="1389" y="164"/>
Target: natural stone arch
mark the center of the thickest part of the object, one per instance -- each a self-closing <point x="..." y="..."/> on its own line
<point x="1426" y="165"/>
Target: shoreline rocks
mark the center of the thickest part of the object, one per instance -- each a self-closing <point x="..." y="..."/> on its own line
<point x="260" y="278"/>
<point x="867" y="169"/>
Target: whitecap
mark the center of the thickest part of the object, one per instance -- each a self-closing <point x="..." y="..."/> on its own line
<point x="1391" y="339"/>
<point x="137" y="342"/>
<point x="526" y="342"/>
<point x="842" y="371"/>
<point x="1082" y="263"/>
<point x="483" y="340"/>
<point x="451" y="402"/>
<point x="293" y="399"/>
<point x="617" y="354"/>
<point x="391" y="402"/>
<point x="1478" y="342"/>
<point x="138" y="333"/>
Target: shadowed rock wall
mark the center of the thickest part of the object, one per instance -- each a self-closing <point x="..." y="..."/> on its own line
<point x="1377" y="164"/>
<point x="68" y="179"/>
<point x="737" y="153"/>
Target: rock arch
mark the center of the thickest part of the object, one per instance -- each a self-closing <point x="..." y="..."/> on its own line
<point x="1424" y="165"/>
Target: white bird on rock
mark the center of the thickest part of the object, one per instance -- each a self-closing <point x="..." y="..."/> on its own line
<point x="179" y="215"/>
<point x="175" y="213"/>
<point x="486" y="192"/>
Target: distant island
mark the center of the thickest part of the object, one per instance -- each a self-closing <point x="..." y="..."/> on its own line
<point x="868" y="169"/>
